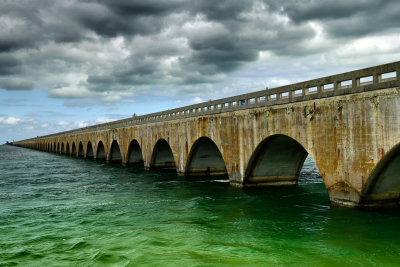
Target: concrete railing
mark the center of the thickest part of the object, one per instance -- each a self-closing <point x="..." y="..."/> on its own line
<point x="363" y="80"/>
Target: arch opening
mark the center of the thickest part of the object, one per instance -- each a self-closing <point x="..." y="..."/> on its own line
<point x="73" y="150"/>
<point x="205" y="159"/>
<point x="135" y="156"/>
<point x="68" y="152"/>
<point x="277" y="160"/>
<point x="383" y="185"/>
<point x="89" y="151"/>
<point x="162" y="157"/>
<point x="58" y="148"/>
<point x="101" y="153"/>
<point x="115" y="152"/>
<point x="62" y="148"/>
<point x="54" y="147"/>
<point x="81" y="153"/>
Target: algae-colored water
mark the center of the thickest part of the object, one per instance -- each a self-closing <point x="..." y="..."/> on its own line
<point x="62" y="211"/>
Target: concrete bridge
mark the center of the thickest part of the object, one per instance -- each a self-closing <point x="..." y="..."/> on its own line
<point x="349" y="124"/>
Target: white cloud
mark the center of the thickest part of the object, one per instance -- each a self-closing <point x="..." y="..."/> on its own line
<point x="10" y="120"/>
<point x="104" y="120"/>
<point x="63" y="123"/>
<point x="196" y="100"/>
<point x="378" y="48"/>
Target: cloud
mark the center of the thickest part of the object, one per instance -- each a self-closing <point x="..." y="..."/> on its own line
<point x="104" y="120"/>
<point x="196" y="100"/>
<point x="9" y="65"/>
<point x="63" y="123"/>
<point x="342" y="18"/>
<point x="10" y="120"/>
<point x="111" y="50"/>
<point x="46" y="114"/>
<point x="15" y="84"/>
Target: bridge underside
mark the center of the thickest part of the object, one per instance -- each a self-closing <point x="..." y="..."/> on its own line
<point x="134" y="154"/>
<point x="205" y="159"/>
<point x="276" y="161"/>
<point x="162" y="158"/>
<point x="383" y="188"/>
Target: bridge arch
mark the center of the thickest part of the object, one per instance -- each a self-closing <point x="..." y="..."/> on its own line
<point x="62" y="148"/>
<point x="89" y="151"/>
<point x="58" y="148"/>
<point x="67" y="150"/>
<point x="73" y="149"/>
<point x="277" y="160"/>
<point x="205" y="159"/>
<point x="162" y="156"/>
<point x="115" y="152"/>
<point x="134" y="155"/>
<point x="100" y="151"/>
<point x="383" y="185"/>
<point x="81" y="152"/>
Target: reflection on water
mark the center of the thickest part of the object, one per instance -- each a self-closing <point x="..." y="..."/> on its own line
<point x="61" y="211"/>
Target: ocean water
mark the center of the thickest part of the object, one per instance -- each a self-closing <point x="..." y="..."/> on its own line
<point x="61" y="211"/>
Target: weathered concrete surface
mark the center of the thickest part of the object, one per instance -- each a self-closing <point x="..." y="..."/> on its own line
<point x="347" y="137"/>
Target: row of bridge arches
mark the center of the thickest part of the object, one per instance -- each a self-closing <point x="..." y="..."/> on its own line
<point x="206" y="159"/>
<point x="277" y="156"/>
<point x="79" y="150"/>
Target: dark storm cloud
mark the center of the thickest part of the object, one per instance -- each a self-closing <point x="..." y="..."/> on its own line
<point x="343" y="18"/>
<point x="220" y="10"/>
<point x="300" y="11"/>
<point x="176" y="42"/>
<point x="9" y="65"/>
<point x="123" y="17"/>
<point x="142" y="8"/>
<point x="15" y="84"/>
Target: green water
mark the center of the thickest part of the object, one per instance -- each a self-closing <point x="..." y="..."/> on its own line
<point x="62" y="211"/>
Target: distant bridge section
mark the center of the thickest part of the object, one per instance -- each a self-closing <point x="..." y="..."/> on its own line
<point x="348" y="123"/>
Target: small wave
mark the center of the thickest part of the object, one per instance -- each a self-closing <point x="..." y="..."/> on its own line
<point x="6" y="195"/>
<point x="26" y="254"/>
<point x="105" y="258"/>
<point x="221" y="181"/>
<point x="79" y="245"/>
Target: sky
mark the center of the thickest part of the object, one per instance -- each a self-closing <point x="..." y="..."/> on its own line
<point x="68" y="64"/>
